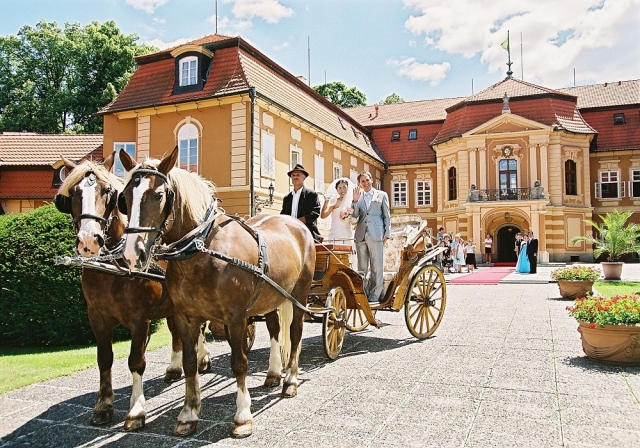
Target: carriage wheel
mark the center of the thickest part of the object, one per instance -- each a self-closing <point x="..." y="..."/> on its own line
<point x="333" y="323"/>
<point x="356" y="320"/>
<point x="425" y="302"/>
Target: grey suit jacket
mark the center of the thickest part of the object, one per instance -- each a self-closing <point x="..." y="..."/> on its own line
<point x="375" y="221"/>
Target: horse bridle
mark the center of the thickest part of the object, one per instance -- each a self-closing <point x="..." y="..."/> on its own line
<point x="168" y="207"/>
<point x="63" y="204"/>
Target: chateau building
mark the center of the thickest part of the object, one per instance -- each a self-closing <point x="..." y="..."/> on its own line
<point x="513" y="157"/>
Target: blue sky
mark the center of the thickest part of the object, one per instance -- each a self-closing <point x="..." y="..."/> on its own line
<point x="419" y="49"/>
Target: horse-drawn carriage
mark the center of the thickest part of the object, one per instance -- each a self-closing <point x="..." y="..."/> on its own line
<point x="338" y="299"/>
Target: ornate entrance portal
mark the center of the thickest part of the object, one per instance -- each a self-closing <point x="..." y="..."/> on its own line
<point x="506" y="240"/>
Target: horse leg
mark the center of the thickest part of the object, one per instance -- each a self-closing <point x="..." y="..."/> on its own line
<point x="243" y="420"/>
<point x="204" y="358"/>
<point x="188" y="417"/>
<point x="290" y="386"/>
<point x="137" y="414"/>
<point x="274" y="374"/>
<point x="103" y="410"/>
<point x="174" y="371"/>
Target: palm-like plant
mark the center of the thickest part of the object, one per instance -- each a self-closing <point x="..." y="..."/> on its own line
<point x="615" y="238"/>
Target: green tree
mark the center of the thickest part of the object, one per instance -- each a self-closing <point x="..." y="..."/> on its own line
<point x="341" y="95"/>
<point x="394" y="98"/>
<point x="54" y="80"/>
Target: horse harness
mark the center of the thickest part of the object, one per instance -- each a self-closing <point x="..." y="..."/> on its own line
<point x="194" y="241"/>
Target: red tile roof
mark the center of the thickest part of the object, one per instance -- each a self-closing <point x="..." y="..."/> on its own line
<point x="613" y="137"/>
<point x="407" y="151"/>
<point x="27" y="184"/>
<point x="402" y="113"/>
<point x="608" y="94"/>
<point x="30" y="149"/>
<point x="236" y="67"/>
<point x="536" y="103"/>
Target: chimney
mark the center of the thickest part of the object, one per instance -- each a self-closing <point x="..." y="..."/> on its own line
<point x="376" y="111"/>
<point x="619" y="82"/>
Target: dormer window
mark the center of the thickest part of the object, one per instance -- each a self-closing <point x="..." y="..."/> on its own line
<point x="188" y="71"/>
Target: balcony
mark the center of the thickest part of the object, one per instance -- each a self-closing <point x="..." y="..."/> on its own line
<point x="506" y="194"/>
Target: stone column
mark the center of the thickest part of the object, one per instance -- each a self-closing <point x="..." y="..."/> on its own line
<point x="473" y="180"/>
<point x="554" y="186"/>
<point x="533" y="166"/>
<point x="483" y="168"/>
<point x="544" y="171"/>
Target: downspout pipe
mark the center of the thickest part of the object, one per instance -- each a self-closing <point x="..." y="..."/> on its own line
<point x="252" y="96"/>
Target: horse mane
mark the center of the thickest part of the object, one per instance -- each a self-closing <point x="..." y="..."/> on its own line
<point x="193" y="192"/>
<point x="82" y="169"/>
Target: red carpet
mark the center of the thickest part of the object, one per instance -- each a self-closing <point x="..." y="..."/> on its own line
<point x="490" y="276"/>
<point x="511" y="264"/>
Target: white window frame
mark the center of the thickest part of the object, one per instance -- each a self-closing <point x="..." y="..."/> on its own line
<point x="609" y="177"/>
<point x="423" y="188"/>
<point x="295" y="156"/>
<point x="130" y="148"/>
<point x="189" y="141"/>
<point x="337" y="171"/>
<point x="353" y="175"/>
<point x="400" y="193"/>
<point x="268" y="150"/>
<point x="634" y="175"/>
<point x="190" y="77"/>
<point x="318" y="165"/>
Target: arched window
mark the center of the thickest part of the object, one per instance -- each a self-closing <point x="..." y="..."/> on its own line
<point x="188" y="71"/>
<point x="188" y="146"/>
<point x="570" y="178"/>
<point x="453" y="184"/>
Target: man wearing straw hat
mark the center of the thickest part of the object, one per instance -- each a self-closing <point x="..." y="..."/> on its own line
<point x="302" y="203"/>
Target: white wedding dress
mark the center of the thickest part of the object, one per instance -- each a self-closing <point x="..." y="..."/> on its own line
<point x="341" y="231"/>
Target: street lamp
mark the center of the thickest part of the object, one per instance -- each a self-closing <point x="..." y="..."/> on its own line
<point x="258" y="203"/>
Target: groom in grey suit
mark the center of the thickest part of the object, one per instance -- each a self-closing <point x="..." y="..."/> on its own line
<point x="371" y="208"/>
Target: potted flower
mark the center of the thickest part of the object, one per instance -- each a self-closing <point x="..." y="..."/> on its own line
<point x="610" y="328"/>
<point x="616" y="239"/>
<point x="575" y="281"/>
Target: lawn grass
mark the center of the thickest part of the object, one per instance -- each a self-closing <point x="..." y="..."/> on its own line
<point x="610" y="289"/>
<point x="21" y="366"/>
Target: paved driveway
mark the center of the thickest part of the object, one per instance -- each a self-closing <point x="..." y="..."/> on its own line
<point x="505" y="368"/>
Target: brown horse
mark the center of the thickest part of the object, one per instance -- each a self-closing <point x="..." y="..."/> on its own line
<point x="168" y="203"/>
<point x="89" y="194"/>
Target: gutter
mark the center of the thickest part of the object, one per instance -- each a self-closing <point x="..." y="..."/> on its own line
<point x="252" y="96"/>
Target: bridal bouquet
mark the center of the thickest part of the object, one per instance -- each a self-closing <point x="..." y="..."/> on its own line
<point x="346" y="213"/>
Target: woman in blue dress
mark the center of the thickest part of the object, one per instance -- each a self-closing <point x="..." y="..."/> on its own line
<point x="523" y="266"/>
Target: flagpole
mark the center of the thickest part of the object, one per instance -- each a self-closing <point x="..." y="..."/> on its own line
<point x="509" y="72"/>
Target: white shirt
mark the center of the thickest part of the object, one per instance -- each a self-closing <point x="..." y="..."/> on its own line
<point x="368" y="195"/>
<point x="294" y="202"/>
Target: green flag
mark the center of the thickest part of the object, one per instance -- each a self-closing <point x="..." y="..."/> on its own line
<point x="505" y="44"/>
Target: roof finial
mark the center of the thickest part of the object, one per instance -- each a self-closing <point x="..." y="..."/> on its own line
<point x="506" y="46"/>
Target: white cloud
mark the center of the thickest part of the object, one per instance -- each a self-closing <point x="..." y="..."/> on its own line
<point x="418" y="71"/>
<point x="160" y="20"/>
<point x="271" y="11"/>
<point x="148" y="6"/>
<point x="557" y="35"/>
<point x="282" y="46"/>
<point x="163" y="45"/>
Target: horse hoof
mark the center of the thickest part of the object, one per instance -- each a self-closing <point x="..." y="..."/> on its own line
<point x="272" y="380"/>
<point x="134" y="424"/>
<point x="204" y="367"/>
<point x="289" y="390"/>
<point x="171" y="376"/>
<point x="243" y="430"/>
<point x="184" y="429"/>
<point x="101" y="418"/>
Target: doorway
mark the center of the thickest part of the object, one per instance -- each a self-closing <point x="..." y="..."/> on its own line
<point x="507" y="243"/>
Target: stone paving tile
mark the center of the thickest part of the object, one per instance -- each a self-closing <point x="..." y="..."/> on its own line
<point x="596" y="435"/>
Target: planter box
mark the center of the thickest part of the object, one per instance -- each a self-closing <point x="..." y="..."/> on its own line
<point x="573" y="289"/>
<point x="613" y="344"/>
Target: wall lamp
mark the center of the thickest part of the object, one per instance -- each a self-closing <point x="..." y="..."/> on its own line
<point x="258" y="203"/>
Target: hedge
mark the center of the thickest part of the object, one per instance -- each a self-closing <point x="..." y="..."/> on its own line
<point x="41" y="304"/>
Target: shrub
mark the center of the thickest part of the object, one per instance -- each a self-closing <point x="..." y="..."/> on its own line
<point x="584" y="273"/>
<point x="600" y="311"/>
<point x="41" y="304"/>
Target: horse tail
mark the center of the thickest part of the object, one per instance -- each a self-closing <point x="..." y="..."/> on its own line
<point x="285" y="318"/>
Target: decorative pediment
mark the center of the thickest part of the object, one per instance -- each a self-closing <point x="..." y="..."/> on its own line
<point x="507" y="123"/>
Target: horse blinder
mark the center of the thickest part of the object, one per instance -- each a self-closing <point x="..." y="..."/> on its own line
<point x="122" y="203"/>
<point x="62" y="203"/>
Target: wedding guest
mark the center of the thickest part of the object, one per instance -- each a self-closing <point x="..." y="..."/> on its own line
<point x="488" y="245"/>
<point x="523" y="267"/>
<point x="517" y="244"/>
<point x="470" y="259"/>
<point x="458" y="253"/>
<point x="302" y="202"/>
<point x="532" y="252"/>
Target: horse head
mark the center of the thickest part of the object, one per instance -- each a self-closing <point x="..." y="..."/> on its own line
<point x="148" y="200"/>
<point x="89" y="194"/>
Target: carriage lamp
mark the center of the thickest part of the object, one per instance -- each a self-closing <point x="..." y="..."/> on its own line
<point x="258" y="203"/>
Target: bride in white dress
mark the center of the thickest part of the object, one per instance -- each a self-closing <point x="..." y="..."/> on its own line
<point x="337" y="203"/>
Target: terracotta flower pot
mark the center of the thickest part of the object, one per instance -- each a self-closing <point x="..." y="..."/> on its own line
<point x="613" y="344"/>
<point x="573" y="289"/>
<point x="612" y="270"/>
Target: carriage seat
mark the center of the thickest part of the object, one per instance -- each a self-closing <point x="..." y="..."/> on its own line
<point x="335" y="248"/>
